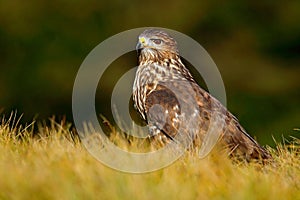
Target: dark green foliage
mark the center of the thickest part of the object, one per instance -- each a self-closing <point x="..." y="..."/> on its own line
<point x="254" y="44"/>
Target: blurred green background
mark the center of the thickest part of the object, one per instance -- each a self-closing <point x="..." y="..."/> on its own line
<point x="256" y="46"/>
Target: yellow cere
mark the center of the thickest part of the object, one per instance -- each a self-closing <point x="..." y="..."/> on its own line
<point x="142" y="40"/>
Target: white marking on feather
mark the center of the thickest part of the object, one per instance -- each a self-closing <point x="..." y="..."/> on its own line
<point x="175" y="108"/>
<point x="196" y="112"/>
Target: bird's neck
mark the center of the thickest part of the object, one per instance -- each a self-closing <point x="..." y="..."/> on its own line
<point x="160" y="66"/>
<point x="148" y="56"/>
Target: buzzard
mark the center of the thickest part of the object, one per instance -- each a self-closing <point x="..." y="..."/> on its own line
<point x="176" y="108"/>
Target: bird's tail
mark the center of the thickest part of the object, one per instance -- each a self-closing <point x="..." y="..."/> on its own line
<point x="242" y="144"/>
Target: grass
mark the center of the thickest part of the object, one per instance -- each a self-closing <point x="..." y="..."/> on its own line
<point x="52" y="164"/>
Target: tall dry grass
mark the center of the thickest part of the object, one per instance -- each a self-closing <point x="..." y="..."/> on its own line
<point x="50" y="163"/>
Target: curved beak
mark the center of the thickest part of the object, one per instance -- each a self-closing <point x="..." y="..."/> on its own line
<point x="138" y="46"/>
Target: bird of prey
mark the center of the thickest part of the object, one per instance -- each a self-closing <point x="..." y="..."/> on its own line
<point x="173" y="104"/>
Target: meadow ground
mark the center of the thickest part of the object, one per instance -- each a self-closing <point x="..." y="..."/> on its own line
<point x="54" y="165"/>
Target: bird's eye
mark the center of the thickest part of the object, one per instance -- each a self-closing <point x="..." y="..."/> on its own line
<point x="157" y="41"/>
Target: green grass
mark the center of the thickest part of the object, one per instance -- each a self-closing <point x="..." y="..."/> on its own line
<point x="52" y="164"/>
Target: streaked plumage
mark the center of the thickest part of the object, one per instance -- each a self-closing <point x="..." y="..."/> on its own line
<point x="169" y="99"/>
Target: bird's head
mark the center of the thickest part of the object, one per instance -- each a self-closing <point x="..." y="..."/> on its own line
<point x="154" y="42"/>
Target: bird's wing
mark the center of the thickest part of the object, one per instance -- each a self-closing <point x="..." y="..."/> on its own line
<point x="182" y="112"/>
<point x="176" y="111"/>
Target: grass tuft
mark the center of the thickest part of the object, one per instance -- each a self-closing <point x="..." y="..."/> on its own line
<point x="40" y="161"/>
